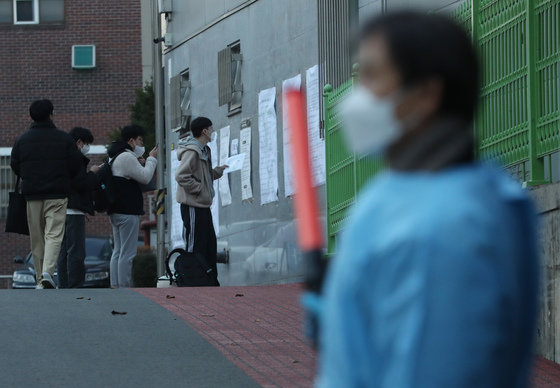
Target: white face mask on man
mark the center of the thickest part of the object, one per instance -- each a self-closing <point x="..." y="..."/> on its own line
<point x="139" y="151"/>
<point x="370" y="126"/>
<point x="85" y="149"/>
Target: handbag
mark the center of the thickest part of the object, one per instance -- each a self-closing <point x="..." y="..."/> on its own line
<point x="16" y="220"/>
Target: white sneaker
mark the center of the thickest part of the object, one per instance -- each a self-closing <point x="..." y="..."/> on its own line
<point x="39" y="287"/>
<point x="47" y="281"/>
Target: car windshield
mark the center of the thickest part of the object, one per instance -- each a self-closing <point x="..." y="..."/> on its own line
<point x="98" y="249"/>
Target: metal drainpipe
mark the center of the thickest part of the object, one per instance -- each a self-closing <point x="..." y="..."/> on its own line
<point x="160" y="135"/>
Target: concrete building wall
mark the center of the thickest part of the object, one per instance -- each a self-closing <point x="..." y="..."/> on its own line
<point x="192" y="16"/>
<point x="278" y="41"/>
<point x="547" y="198"/>
<point x="375" y="7"/>
<point x="147" y="40"/>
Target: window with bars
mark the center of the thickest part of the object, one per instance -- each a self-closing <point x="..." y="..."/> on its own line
<point x="31" y="11"/>
<point x="230" y="87"/>
<point x="7" y="184"/>
<point x="180" y="102"/>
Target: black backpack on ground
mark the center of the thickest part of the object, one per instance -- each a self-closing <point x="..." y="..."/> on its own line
<point x="191" y="269"/>
<point x="105" y="195"/>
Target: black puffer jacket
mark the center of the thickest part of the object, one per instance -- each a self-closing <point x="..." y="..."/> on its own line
<point x="83" y="186"/>
<point x="129" y="193"/>
<point x="46" y="159"/>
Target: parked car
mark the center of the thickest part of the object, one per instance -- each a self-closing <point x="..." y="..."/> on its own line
<point x="98" y="258"/>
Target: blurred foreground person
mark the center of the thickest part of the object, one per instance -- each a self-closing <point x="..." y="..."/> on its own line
<point x="435" y="283"/>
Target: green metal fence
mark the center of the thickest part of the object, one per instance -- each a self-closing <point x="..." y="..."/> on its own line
<point x="519" y="116"/>
<point x="346" y="172"/>
<point x="518" y="120"/>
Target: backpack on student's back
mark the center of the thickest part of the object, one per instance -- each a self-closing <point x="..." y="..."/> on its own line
<point x="105" y="195"/>
<point x="189" y="269"/>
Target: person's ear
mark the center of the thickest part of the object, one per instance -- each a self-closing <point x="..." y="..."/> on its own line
<point x="79" y="144"/>
<point x="431" y="96"/>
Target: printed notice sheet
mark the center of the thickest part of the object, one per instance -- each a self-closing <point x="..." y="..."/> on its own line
<point x="268" y="146"/>
<point x="225" y="194"/>
<point x="289" y="187"/>
<point x="245" y="149"/>
<point x="215" y="208"/>
<point x="235" y="163"/>
<point x="176" y="235"/>
<point x="234" y="147"/>
<point x="316" y="144"/>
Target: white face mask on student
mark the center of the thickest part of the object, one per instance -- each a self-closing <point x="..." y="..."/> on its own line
<point x="85" y="149"/>
<point x="370" y="126"/>
<point x="139" y="151"/>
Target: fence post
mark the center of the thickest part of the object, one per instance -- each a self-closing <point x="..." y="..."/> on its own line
<point x="355" y="69"/>
<point x="475" y="12"/>
<point x="536" y="164"/>
<point x="327" y="90"/>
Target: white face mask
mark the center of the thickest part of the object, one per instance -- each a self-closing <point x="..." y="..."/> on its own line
<point x="139" y="151"/>
<point x="85" y="149"/>
<point x="369" y="122"/>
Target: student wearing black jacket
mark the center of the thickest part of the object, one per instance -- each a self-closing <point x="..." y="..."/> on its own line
<point x="46" y="159"/>
<point x="71" y="267"/>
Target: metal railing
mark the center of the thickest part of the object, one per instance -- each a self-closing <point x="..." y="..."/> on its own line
<point x="347" y="173"/>
<point x="518" y="120"/>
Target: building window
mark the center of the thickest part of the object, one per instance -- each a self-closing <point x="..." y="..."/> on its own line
<point x="31" y="11"/>
<point x="7" y="184"/>
<point x="230" y="87"/>
<point x="185" y="94"/>
<point x="51" y="11"/>
<point x="180" y="102"/>
<point x="26" y="12"/>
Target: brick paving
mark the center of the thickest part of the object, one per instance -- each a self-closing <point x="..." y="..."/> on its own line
<point x="546" y="374"/>
<point x="259" y="329"/>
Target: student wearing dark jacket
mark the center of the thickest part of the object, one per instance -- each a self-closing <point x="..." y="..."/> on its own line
<point x="71" y="267"/>
<point x="46" y="159"/>
<point x="128" y="175"/>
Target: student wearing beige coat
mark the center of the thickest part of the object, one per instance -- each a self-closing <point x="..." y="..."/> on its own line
<point x="195" y="191"/>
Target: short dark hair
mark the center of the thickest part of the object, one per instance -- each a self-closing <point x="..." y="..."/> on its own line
<point x="199" y="124"/>
<point x="83" y="134"/>
<point x="431" y="45"/>
<point x="131" y="132"/>
<point x="41" y="110"/>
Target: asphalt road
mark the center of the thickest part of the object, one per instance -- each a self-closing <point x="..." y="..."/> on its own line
<point x="70" y="338"/>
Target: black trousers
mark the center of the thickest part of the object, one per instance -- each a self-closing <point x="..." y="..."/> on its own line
<point x="71" y="268"/>
<point x="199" y="234"/>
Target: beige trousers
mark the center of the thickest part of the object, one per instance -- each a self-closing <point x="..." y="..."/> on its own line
<point x="46" y="219"/>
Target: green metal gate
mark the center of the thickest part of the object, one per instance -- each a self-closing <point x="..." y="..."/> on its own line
<point x="346" y="172"/>
<point x="518" y="120"/>
<point x="519" y="114"/>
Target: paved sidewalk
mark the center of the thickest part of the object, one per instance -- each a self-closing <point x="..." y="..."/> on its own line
<point x="203" y="337"/>
<point x="71" y="338"/>
<point x="546" y="374"/>
<point x="258" y="328"/>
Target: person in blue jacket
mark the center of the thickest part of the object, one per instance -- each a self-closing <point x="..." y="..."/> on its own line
<point x="436" y="278"/>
